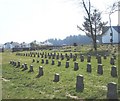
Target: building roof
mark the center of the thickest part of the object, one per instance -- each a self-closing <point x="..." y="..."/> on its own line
<point x="106" y="28"/>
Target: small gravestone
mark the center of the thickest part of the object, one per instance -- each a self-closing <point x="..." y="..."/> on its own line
<point x="42" y="61"/>
<point x="38" y="55"/>
<point x="40" y="71"/>
<point x="76" y="66"/>
<point x="71" y="55"/>
<point x="68" y="58"/>
<point x="53" y="62"/>
<point x="56" y="77"/>
<point x="62" y="57"/>
<point x="113" y="71"/>
<point x="45" y="55"/>
<point x="112" y="91"/>
<point x="31" y="68"/>
<point x="15" y="63"/>
<point x="82" y="58"/>
<point x="46" y="61"/>
<point x="18" y="64"/>
<point x="100" y="69"/>
<point x="88" y="58"/>
<point x="57" y="56"/>
<point x="59" y="63"/>
<point x="99" y="61"/>
<point x="22" y="66"/>
<point x="89" y="69"/>
<point x="33" y="60"/>
<point x="112" y="61"/>
<point x="37" y="61"/>
<point x="79" y="83"/>
<point x="25" y="67"/>
<point x="74" y="58"/>
<point x="34" y="55"/>
<point x="105" y="56"/>
<point x="41" y="55"/>
<point x="67" y="64"/>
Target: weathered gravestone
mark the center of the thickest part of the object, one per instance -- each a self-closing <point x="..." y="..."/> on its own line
<point x="82" y="58"/>
<point x="88" y="58"/>
<point x="79" y="83"/>
<point x="113" y="71"/>
<point x="99" y="60"/>
<point x="59" y="63"/>
<point x="40" y="72"/>
<point x="100" y="69"/>
<point x="47" y="61"/>
<point x="37" y="61"/>
<point x="67" y="64"/>
<point x="18" y="64"/>
<point x="112" y="61"/>
<point x="56" y="77"/>
<point x="31" y="68"/>
<point x="25" y="67"/>
<point x="42" y="61"/>
<point x="76" y="66"/>
<point x="33" y="60"/>
<point x="89" y="69"/>
<point x="112" y="91"/>
<point x="53" y="62"/>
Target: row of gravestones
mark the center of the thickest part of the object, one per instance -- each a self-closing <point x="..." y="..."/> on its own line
<point x="68" y="57"/>
<point x="76" y="67"/>
<point x="111" y="87"/>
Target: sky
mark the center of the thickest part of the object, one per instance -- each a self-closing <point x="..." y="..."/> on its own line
<point x="29" y="20"/>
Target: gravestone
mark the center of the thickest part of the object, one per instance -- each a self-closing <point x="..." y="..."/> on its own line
<point x="112" y="91"/>
<point x="76" y="66"/>
<point x="31" y="68"/>
<point x="15" y="63"/>
<point x="89" y="69"/>
<point x="79" y="83"/>
<point x="82" y="58"/>
<point x="100" y="69"/>
<point x="37" y="61"/>
<point x="18" y="64"/>
<point x="105" y="56"/>
<point x="42" y="61"/>
<point x="71" y="55"/>
<point x="56" y="77"/>
<point x="99" y="60"/>
<point x="88" y="58"/>
<point x="53" y="62"/>
<point x="112" y="61"/>
<point x="40" y="71"/>
<point x="22" y="66"/>
<point x="67" y="64"/>
<point x="113" y="71"/>
<point x="59" y="63"/>
<point x="33" y="60"/>
<point x="62" y="57"/>
<point x="68" y="58"/>
<point x="74" y="58"/>
<point x="57" y="56"/>
<point x="25" y="67"/>
<point x="46" y="61"/>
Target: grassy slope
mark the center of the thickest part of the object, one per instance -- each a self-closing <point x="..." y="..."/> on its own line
<point x="25" y="85"/>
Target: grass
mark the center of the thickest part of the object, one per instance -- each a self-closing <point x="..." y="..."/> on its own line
<point x="23" y="85"/>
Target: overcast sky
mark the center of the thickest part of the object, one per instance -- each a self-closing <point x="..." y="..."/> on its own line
<point x="29" y="20"/>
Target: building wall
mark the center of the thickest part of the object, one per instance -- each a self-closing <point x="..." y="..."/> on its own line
<point x="106" y="37"/>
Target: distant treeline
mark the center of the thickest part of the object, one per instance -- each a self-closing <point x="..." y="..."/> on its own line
<point x="70" y="40"/>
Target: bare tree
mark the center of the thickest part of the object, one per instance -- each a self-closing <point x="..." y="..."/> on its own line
<point x="112" y="9"/>
<point x="92" y="25"/>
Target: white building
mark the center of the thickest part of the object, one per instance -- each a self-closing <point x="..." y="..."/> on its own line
<point x="115" y="36"/>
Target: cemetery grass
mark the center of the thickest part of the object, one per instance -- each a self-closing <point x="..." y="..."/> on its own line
<point x="18" y="84"/>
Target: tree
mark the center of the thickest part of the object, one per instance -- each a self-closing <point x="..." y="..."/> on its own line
<point x="112" y="9"/>
<point x="92" y="25"/>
